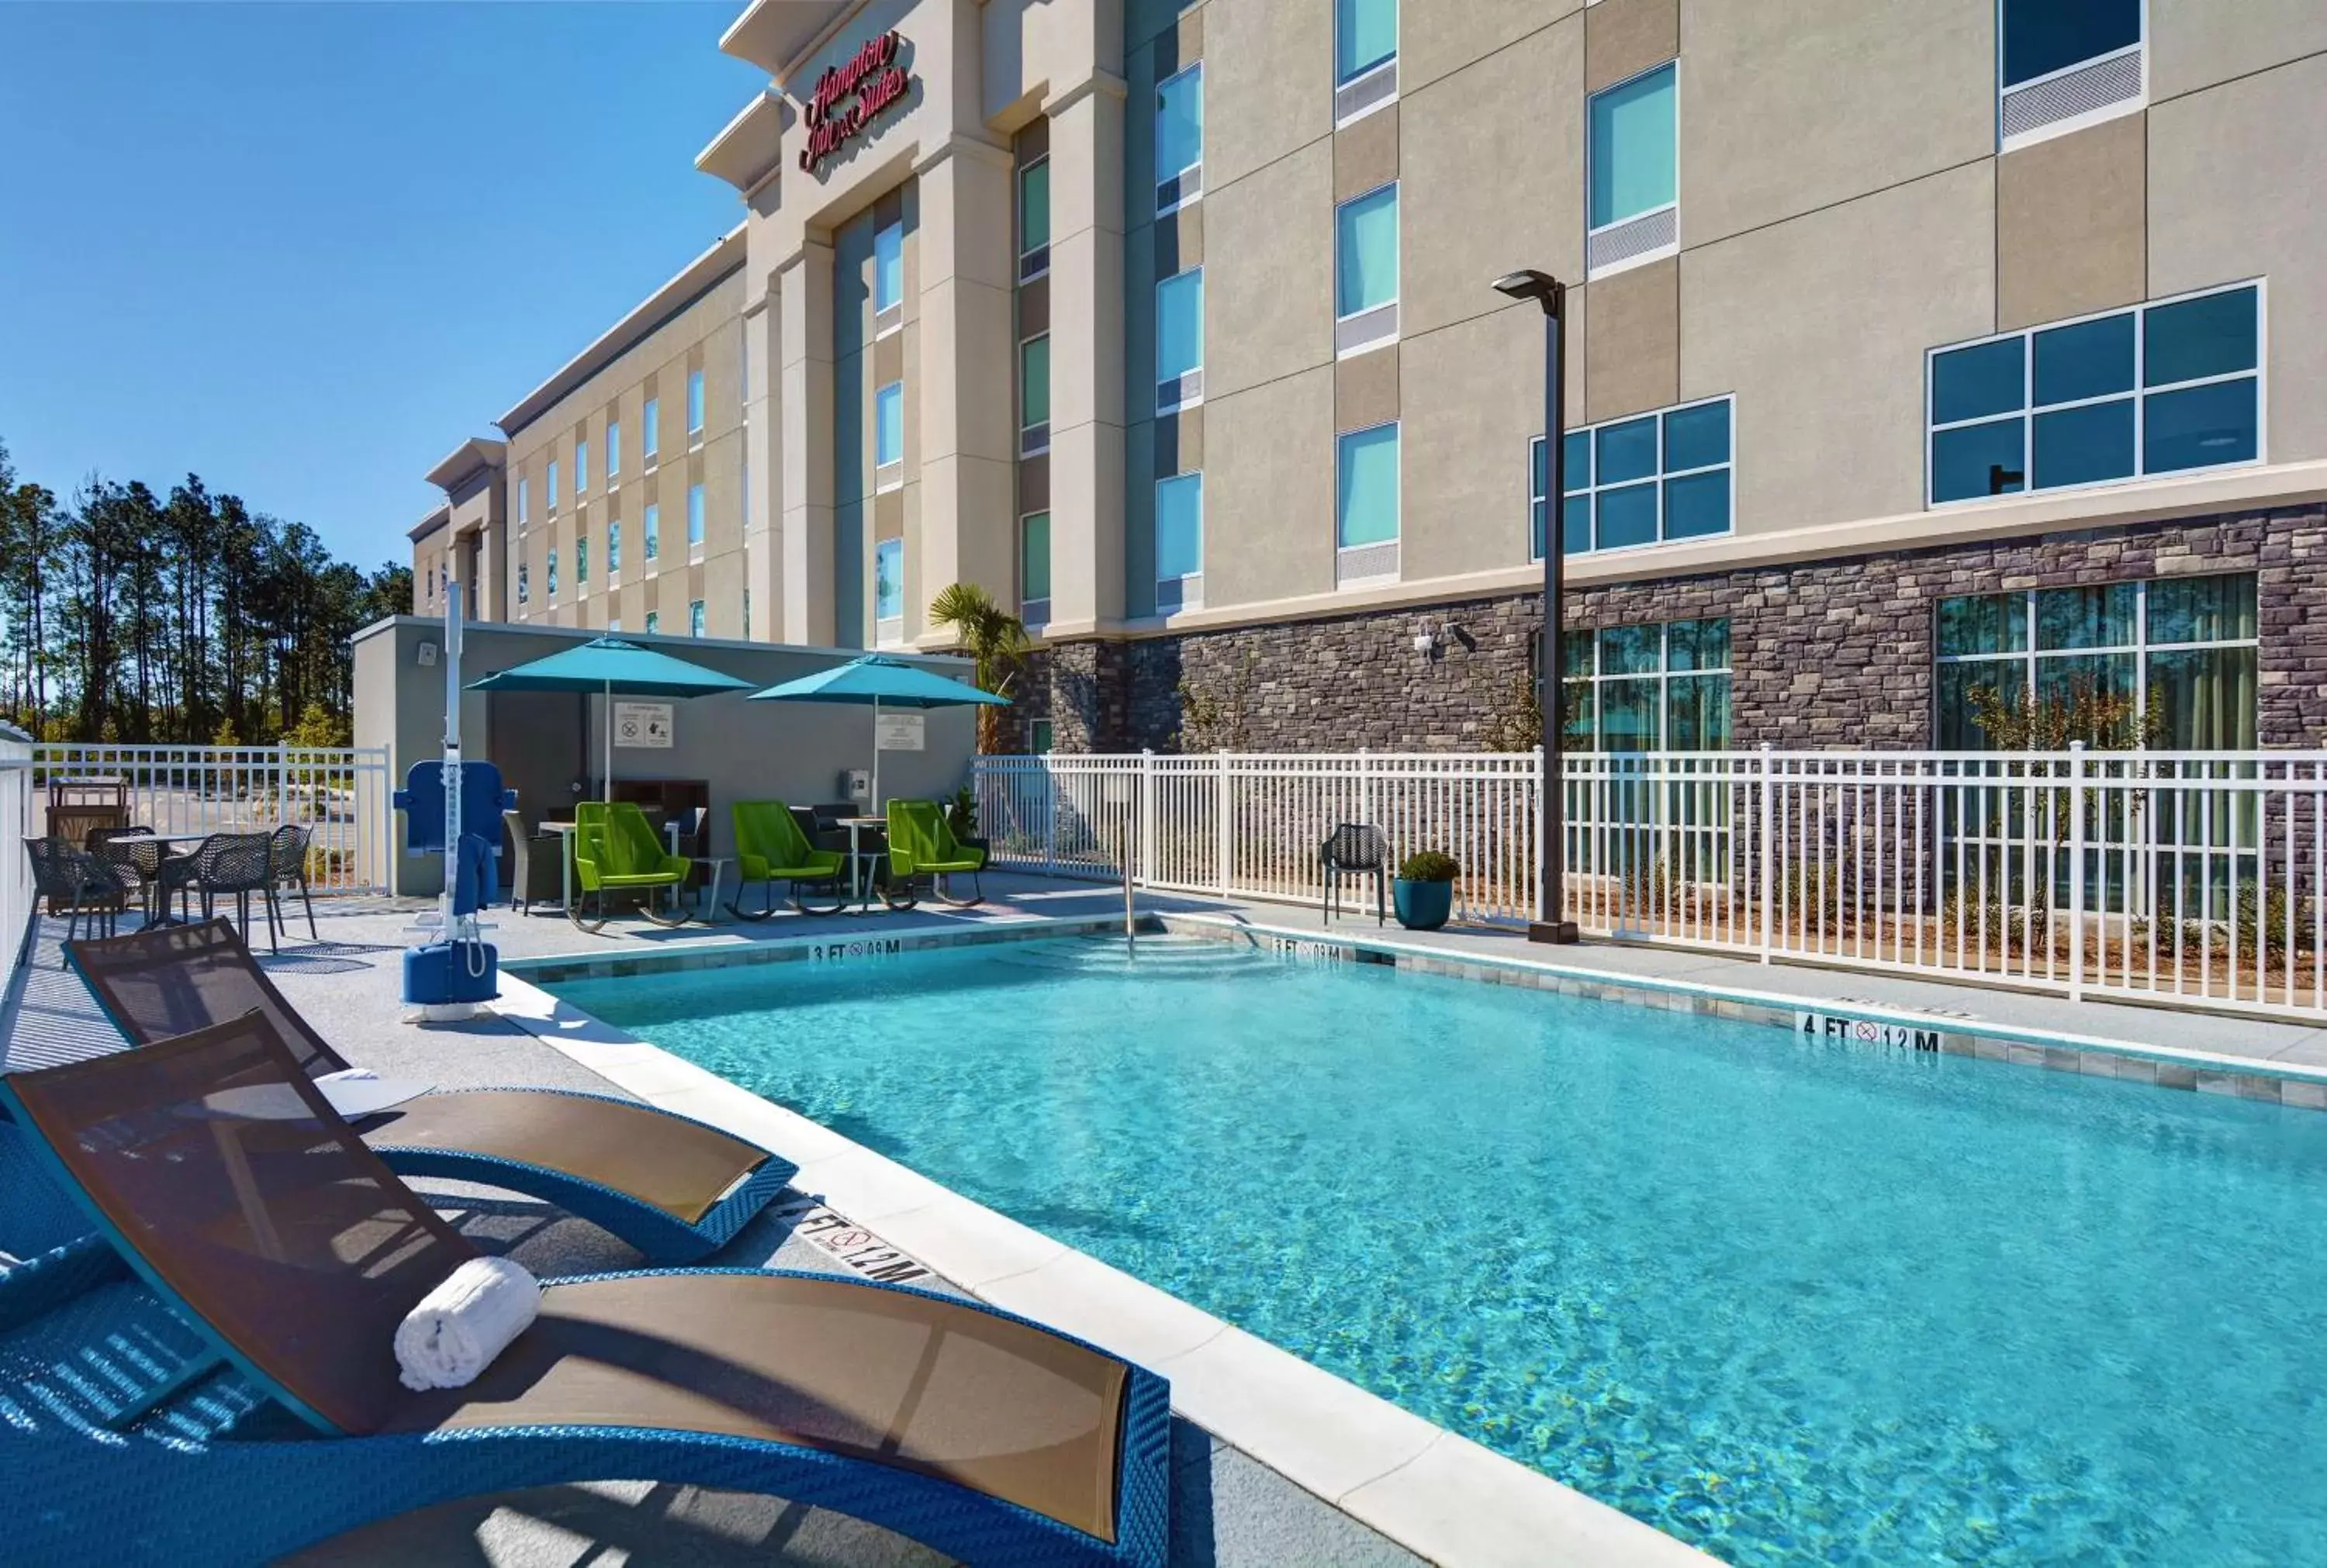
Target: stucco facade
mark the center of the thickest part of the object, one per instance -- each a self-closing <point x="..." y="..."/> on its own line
<point x="865" y="333"/>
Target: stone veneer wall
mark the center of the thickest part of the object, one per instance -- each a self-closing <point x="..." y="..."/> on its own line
<point x="1825" y="654"/>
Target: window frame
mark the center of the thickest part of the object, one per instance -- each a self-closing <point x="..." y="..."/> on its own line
<point x="2029" y="657"/>
<point x="580" y="467"/>
<point x="654" y="623"/>
<point x="1365" y="75"/>
<point x="1591" y="230"/>
<point x="613" y="450"/>
<point x="2138" y="394"/>
<point x="896" y="546"/>
<point x="698" y="409"/>
<point x="581" y="560"/>
<point x="698" y="525"/>
<point x="897" y="304"/>
<point x="698" y="618"/>
<point x="650" y="531"/>
<point x="1034" y="260"/>
<point x="524" y="582"/>
<point x="1398" y="497"/>
<point x="551" y="572"/>
<point x="1174" y="189"/>
<point x="1389" y="308"/>
<point x="1184" y="581"/>
<point x="2077" y="122"/>
<point x="887" y="393"/>
<point x="524" y="500"/>
<point x="1027" y="441"/>
<point x="549" y="489"/>
<point x="1663" y="676"/>
<point x="614" y="550"/>
<point x="1026" y="601"/>
<point x="1556" y="517"/>
<point x="651" y="434"/>
<point x="1183" y="395"/>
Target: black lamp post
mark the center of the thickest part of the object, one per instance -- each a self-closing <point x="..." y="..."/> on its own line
<point x="1552" y="295"/>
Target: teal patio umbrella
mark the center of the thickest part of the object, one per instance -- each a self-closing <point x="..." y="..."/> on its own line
<point x="878" y="681"/>
<point x="607" y="665"/>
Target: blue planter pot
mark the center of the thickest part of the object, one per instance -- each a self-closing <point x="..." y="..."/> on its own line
<point x="1422" y="906"/>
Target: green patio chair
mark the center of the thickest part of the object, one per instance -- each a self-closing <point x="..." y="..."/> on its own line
<point x="615" y="851"/>
<point x="923" y="849"/>
<point x="770" y="848"/>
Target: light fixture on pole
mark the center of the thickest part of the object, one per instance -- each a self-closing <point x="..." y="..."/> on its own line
<point x="1552" y="295"/>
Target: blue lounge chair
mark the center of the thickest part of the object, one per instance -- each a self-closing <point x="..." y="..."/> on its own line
<point x="674" y="1188"/>
<point x="277" y="1254"/>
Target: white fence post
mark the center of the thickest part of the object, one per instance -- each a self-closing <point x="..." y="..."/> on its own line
<point x="1225" y="846"/>
<point x="1147" y="815"/>
<point x="1766" y="811"/>
<point x="282" y="783"/>
<point x="2076" y="870"/>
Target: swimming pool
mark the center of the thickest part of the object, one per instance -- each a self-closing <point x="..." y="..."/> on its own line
<point x="1792" y="1301"/>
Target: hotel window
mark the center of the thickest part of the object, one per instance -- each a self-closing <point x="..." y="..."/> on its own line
<point x="1364" y="56"/>
<point x="581" y="465"/>
<point x="651" y="429"/>
<point x="1365" y="271"/>
<point x="1034" y="568"/>
<point x="1178" y="542"/>
<point x="650" y="542"/>
<point x="1180" y="341"/>
<point x="2179" y="654"/>
<point x="2065" y="64"/>
<point x="1179" y="139"/>
<point x="613" y="447"/>
<point x="615" y="549"/>
<point x="654" y="623"/>
<point x="889" y="590"/>
<point x="1365" y="505"/>
<point x="2163" y="387"/>
<point x="524" y="584"/>
<point x="694" y="520"/>
<point x="553" y="574"/>
<point x="1035" y="220"/>
<point x="1649" y="688"/>
<point x="1035" y="396"/>
<point x="889" y="435"/>
<point x="1634" y="206"/>
<point x="613" y="623"/>
<point x="1644" y="480"/>
<point x="888" y="268"/>
<point x="581" y="560"/>
<point x="524" y="502"/>
<point x="551" y="487"/>
<point x="695" y="618"/>
<point x="694" y="406"/>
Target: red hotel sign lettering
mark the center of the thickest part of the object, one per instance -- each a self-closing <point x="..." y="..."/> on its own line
<point x="873" y="79"/>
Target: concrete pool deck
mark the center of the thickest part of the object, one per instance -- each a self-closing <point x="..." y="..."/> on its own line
<point x="1279" y="1461"/>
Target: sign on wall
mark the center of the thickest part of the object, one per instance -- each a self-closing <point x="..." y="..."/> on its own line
<point x="850" y="96"/>
<point x="899" y="732"/>
<point x="644" y="725"/>
<point x="1867" y="1032"/>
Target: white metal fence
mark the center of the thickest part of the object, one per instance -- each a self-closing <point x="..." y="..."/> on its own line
<point x="17" y="876"/>
<point x="2189" y="878"/>
<point x="340" y="793"/>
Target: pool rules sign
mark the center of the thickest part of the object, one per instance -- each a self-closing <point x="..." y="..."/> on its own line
<point x="644" y="725"/>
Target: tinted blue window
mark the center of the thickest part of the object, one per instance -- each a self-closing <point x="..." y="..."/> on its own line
<point x="2199" y="426"/>
<point x="1575" y="525"/>
<point x="1695" y="504"/>
<point x="2084" y="445"/>
<point x="1967" y="383"/>
<point x="1628" y="451"/>
<point x="2210" y="336"/>
<point x="1576" y="462"/>
<point x="1961" y="460"/>
<point x="2043" y="36"/>
<point x="2090" y="359"/>
<point x="1696" y="437"/>
<point x="1628" y="516"/>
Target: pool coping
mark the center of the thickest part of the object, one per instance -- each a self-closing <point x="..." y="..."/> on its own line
<point x="1436" y="1493"/>
<point x="2294" y="1084"/>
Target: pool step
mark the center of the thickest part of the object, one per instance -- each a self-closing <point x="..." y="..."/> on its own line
<point x="1106" y="955"/>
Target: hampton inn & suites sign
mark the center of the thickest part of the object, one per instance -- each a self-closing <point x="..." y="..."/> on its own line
<point x="850" y="96"/>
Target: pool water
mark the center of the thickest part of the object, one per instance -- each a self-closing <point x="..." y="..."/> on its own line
<point x="1793" y="1300"/>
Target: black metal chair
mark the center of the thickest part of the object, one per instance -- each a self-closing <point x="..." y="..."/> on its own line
<point x="137" y="855"/>
<point x="241" y="864"/>
<point x="76" y="884"/>
<point x="1355" y="849"/>
<point x="286" y="857"/>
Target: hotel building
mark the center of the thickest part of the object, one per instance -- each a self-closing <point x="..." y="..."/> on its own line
<point x="1911" y="349"/>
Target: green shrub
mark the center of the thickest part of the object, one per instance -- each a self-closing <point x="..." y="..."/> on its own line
<point x="1429" y="865"/>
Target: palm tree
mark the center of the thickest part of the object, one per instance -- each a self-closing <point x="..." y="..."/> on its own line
<point x="994" y="639"/>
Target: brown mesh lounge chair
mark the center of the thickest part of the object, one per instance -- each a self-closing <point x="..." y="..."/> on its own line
<point x="674" y="1188"/>
<point x="218" y="1171"/>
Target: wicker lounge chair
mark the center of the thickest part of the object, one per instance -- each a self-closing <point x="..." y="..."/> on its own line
<point x="674" y="1188"/>
<point x="922" y="850"/>
<point x="770" y="848"/>
<point x="616" y="850"/>
<point x="246" y="1205"/>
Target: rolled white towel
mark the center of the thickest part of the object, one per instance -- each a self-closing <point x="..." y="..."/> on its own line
<point x="348" y="1075"/>
<point x="458" y="1327"/>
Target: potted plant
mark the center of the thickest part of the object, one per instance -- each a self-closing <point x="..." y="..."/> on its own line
<point x="1424" y="893"/>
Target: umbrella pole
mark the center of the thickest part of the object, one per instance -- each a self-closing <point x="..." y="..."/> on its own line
<point x="873" y="807"/>
<point x="606" y="722"/>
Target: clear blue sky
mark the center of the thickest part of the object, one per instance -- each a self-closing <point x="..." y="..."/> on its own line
<point x="303" y="250"/>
